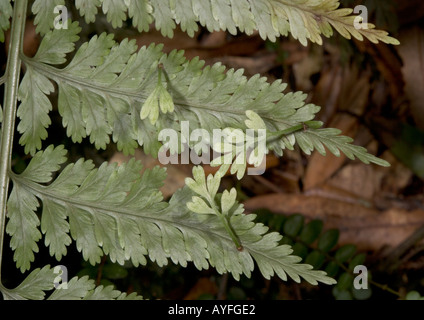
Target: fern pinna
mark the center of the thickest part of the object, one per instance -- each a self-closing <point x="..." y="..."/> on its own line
<point x="117" y="92"/>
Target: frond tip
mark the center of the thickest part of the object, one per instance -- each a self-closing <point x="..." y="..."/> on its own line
<point x="305" y="20"/>
<point x="116" y="211"/>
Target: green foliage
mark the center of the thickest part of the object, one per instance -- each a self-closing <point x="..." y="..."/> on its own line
<point x="305" y="20"/>
<point x="319" y="248"/>
<point x="40" y="281"/>
<point x="115" y="85"/>
<point x="44" y="14"/>
<point x="127" y="220"/>
<point x="33" y="286"/>
<point x="113" y="92"/>
<point x="158" y="99"/>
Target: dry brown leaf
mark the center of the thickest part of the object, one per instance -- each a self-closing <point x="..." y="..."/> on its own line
<point x="180" y="40"/>
<point x="210" y="47"/>
<point x="388" y="64"/>
<point x="260" y="63"/>
<point x="294" y="50"/>
<point x="202" y="286"/>
<point x="397" y="177"/>
<point x="327" y="91"/>
<point x="368" y="228"/>
<point x="305" y="68"/>
<point x="355" y="90"/>
<point x="409" y="11"/>
<point x="360" y="179"/>
<point x="412" y="53"/>
<point x="370" y="182"/>
<point x="214" y="39"/>
<point x="321" y="168"/>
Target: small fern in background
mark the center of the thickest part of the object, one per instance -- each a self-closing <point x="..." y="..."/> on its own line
<point x="111" y="92"/>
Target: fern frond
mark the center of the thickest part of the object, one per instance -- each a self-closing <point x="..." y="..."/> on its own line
<point x="85" y="289"/>
<point x="316" y="139"/>
<point x="110" y="84"/>
<point x="88" y="9"/>
<point x="40" y="281"/>
<point x="33" y="287"/>
<point x="114" y="210"/>
<point x="308" y="20"/>
<point x="305" y="20"/>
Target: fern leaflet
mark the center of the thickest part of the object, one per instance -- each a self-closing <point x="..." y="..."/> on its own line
<point x="305" y="20"/>
<point x="40" y="281"/>
<point x="128" y="220"/>
<point x="112" y="83"/>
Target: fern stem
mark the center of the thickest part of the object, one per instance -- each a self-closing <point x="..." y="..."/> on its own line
<point x="276" y="135"/>
<point x="226" y="224"/>
<point x="230" y="231"/>
<point x="10" y="103"/>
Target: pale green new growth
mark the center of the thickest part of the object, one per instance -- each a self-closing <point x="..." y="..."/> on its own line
<point x="207" y="204"/>
<point x="238" y="149"/>
<point x="158" y="99"/>
<point x="127" y="220"/>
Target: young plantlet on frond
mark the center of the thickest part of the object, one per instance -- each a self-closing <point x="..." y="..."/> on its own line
<point x="240" y="149"/>
<point x="158" y="99"/>
<point x="209" y="202"/>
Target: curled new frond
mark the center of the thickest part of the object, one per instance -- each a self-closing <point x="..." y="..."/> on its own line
<point x="305" y="20"/>
<point x="116" y="211"/>
<point x="112" y="92"/>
